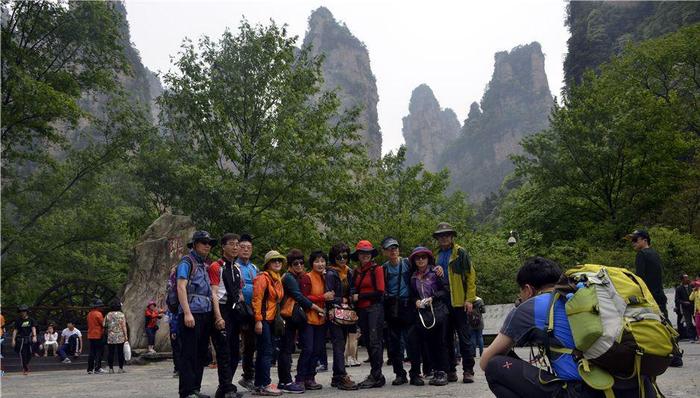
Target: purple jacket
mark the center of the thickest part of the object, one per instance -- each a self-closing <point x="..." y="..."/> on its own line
<point x="430" y="285"/>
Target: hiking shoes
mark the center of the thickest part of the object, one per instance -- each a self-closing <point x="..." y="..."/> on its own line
<point x="247" y="384"/>
<point x="417" y="381"/>
<point x="344" y="383"/>
<point x="452" y="377"/>
<point x="439" y="379"/>
<point x="372" y="382"/>
<point x="292" y="388"/>
<point x="312" y="385"/>
<point x="399" y="380"/>
<point x="268" y="391"/>
<point x="468" y="377"/>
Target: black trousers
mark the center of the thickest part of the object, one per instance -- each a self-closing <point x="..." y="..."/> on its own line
<point x="372" y="325"/>
<point x="95" y="356"/>
<point x="287" y="347"/>
<point x="220" y="339"/>
<point x="688" y="319"/>
<point x="509" y="377"/>
<point x="431" y="341"/>
<point x="457" y="322"/>
<point x="175" y="345"/>
<point x="248" y="337"/>
<point x="339" y="335"/>
<point x="233" y="331"/>
<point x="119" y="348"/>
<point x="23" y="346"/>
<point x="194" y="346"/>
<point x="397" y="328"/>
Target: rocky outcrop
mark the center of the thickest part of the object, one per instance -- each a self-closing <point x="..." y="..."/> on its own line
<point x="155" y="254"/>
<point x="428" y="129"/>
<point x="140" y="85"/>
<point x="347" y="68"/>
<point x="516" y="103"/>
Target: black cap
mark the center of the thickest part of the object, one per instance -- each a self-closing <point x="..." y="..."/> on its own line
<point x="639" y="233"/>
<point x="203" y="236"/>
<point x="23" y="307"/>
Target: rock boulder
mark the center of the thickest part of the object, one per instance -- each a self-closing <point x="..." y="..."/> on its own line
<point x="155" y="254"/>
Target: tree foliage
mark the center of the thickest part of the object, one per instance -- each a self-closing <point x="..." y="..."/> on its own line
<point x="248" y="144"/>
<point x="618" y="147"/>
<point x="69" y="208"/>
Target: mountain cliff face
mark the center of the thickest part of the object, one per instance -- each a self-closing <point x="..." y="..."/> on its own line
<point x="601" y="29"/>
<point x="347" y="68"/>
<point x="516" y="103"/>
<point x="140" y="85"/>
<point x="428" y="128"/>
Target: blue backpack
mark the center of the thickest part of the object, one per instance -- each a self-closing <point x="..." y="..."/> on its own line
<point x="171" y="299"/>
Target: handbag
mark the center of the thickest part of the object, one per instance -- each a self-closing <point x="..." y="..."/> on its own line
<point x="127" y="351"/>
<point x="342" y="315"/>
<point x="427" y="317"/>
<point x="278" y="323"/>
<point x="244" y="312"/>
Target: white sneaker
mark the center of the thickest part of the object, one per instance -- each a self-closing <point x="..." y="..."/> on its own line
<point x="100" y="371"/>
<point x="67" y="360"/>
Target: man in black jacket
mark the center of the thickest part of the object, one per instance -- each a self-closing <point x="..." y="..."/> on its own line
<point x="648" y="266"/>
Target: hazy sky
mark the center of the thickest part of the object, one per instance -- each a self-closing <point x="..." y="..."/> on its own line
<point x="448" y="45"/>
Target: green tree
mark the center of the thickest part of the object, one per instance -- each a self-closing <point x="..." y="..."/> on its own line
<point x="69" y="208"/>
<point x="619" y="145"/>
<point x="52" y="53"/>
<point x="405" y="202"/>
<point x="251" y="143"/>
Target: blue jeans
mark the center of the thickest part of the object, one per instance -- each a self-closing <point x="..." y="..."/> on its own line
<point x="477" y="337"/>
<point x="263" y="359"/>
<point x="69" y="347"/>
<point x="151" y="335"/>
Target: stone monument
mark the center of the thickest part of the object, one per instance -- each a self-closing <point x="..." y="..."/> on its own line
<point x="155" y="254"/>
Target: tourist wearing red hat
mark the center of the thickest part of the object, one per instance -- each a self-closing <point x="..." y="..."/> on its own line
<point x="367" y="293"/>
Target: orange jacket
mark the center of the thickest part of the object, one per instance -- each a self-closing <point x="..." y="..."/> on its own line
<point x="313" y="286"/>
<point x="95" y="319"/>
<point x="275" y="292"/>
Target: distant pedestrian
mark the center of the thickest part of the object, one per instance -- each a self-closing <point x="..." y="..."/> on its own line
<point x="695" y="298"/>
<point x="152" y="315"/>
<point x="71" y="342"/>
<point x="115" y="323"/>
<point x="476" y="324"/>
<point x="95" y="322"/>
<point x="24" y="336"/>
<point x="684" y="308"/>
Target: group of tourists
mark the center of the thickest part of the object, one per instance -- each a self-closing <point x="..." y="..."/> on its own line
<point x="295" y="299"/>
<point x="102" y="331"/>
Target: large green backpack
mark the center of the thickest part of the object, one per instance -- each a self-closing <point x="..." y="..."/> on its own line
<point x="618" y="330"/>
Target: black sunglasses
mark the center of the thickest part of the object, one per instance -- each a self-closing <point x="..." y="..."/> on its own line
<point x="297" y="262"/>
<point x="341" y="257"/>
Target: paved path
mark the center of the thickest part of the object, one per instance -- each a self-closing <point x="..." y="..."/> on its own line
<point x="155" y="380"/>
